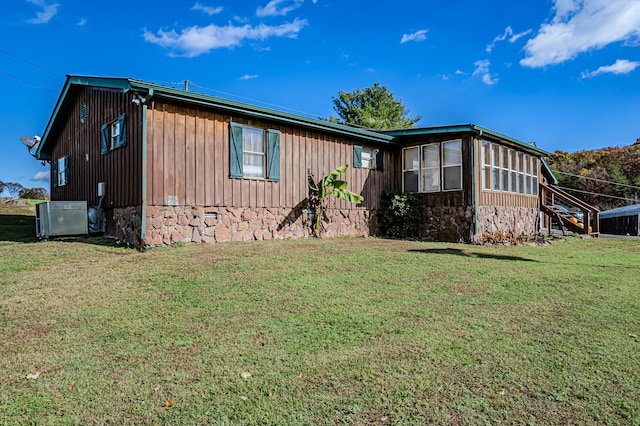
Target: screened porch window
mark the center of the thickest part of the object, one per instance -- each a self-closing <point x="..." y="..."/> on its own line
<point x="433" y="167"/>
<point x="410" y="169"/>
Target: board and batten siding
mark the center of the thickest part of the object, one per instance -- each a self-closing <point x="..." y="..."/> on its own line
<point x="120" y="169"/>
<point x="188" y="162"/>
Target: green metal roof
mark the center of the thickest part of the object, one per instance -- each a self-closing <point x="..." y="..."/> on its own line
<point x="170" y="93"/>
<point x="468" y="128"/>
<point x="389" y="137"/>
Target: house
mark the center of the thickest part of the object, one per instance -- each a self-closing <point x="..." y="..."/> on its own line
<point x="172" y="165"/>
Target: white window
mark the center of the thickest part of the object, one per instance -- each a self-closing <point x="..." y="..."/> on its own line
<point x="61" y="171"/>
<point x="486" y="165"/>
<point x="369" y="158"/>
<point x="431" y="167"/>
<point x="505" y="168"/>
<point x="495" y="167"/>
<point x="452" y="165"/>
<point x="410" y="169"/>
<point x="253" y="152"/>
<point x="513" y="171"/>
<point x="520" y="173"/>
<point x="114" y="134"/>
<point x="534" y="176"/>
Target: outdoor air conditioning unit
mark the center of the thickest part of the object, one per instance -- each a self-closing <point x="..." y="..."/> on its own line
<point x="61" y="218"/>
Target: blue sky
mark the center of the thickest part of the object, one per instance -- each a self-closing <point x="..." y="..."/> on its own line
<point x="563" y="73"/>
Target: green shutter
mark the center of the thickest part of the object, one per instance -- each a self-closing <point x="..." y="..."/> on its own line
<point x="235" y="150"/>
<point x="379" y="160"/>
<point x="105" y="137"/>
<point x="357" y="156"/>
<point x="273" y="155"/>
<point x="122" y="139"/>
<point x="54" y="173"/>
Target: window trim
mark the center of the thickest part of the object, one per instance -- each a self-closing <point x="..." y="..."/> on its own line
<point x="376" y="158"/>
<point x="61" y="172"/>
<point x="271" y="144"/>
<point x="111" y="141"/>
<point x="442" y="166"/>
<point x="521" y="168"/>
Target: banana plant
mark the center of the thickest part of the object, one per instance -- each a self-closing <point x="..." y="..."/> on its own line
<point x="329" y="186"/>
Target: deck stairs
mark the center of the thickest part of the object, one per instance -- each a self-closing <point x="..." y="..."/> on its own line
<point x="556" y="204"/>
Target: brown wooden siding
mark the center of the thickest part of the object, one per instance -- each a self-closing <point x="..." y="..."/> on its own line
<point x="188" y="158"/>
<point x="120" y="169"/>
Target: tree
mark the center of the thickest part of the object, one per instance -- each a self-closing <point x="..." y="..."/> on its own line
<point x="34" y="193"/>
<point x="326" y="187"/>
<point x="12" y="188"/>
<point x="1" y="186"/>
<point x="373" y="107"/>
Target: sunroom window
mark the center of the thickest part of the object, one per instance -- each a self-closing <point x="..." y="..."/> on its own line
<point x="433" y="167"/>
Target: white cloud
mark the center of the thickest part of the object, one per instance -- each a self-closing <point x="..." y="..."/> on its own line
<point x="82" y="22"/>
<point x="207" y="9"/>
<point x="508" y="32"/>
<point x="41" y="176"/>
<point x="580" y="26"/>
<point x="48" y="12"/>
<point x="621" y="66"/>
<point x="417" y="36"/>
<point x="195" y="41"/>
<point x="482" y="70"/>
<point x="278" y="7"/>
<point x="249" y="76"/>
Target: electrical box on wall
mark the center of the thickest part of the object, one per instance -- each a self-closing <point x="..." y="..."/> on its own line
<point x="101" y="188"/>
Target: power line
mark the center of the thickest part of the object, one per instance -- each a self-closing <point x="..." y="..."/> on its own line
<point x="601" y="180"/>
<point x="594" y="193"/>
<point x="27" y="81"/>
<point x="31" y="63"/>
<point x="251" y="100"/>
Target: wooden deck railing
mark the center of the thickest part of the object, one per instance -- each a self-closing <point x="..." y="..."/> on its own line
<point x="551" y="196"/>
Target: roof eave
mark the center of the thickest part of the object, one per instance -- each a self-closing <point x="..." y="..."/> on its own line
<point x="468" y="128"/>
<point x="113" y="83"/>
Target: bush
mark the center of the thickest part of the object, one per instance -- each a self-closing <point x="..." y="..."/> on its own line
<point x="401" y="215"/>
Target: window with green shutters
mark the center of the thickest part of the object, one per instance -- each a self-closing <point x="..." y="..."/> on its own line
<point x="367" y="158"/>
<point x="254" y="153"/>
<point x="114" y="134"/>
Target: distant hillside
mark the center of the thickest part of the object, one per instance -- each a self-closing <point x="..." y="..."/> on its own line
<point x="606" y="178"/>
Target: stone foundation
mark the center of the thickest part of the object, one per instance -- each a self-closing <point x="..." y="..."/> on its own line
<point x="126" y="225"/>
<point x="448" y="223"/>
<point x="498" y="224"/>
<point x="167" y="224"/>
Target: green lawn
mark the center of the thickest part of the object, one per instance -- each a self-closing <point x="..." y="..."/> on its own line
<point x="339" y="331"/>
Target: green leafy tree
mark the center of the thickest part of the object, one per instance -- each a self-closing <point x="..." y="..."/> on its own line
<point x="34" y="193"/>
<point x="373" y="107"/>
<point x="329" y="186"/>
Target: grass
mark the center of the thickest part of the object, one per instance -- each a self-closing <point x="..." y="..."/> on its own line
<point x="341" y="331"/>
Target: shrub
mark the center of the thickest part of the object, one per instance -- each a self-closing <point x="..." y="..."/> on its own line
<point x="401" y="215"/>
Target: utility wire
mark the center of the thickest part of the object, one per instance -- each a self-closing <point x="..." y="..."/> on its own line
<point x="594" y="193"/>
<point x="27" y="81"/>
<point x="31" y="63"/>
<point x="251" y="100"/>
<point x="601" y="180"/>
